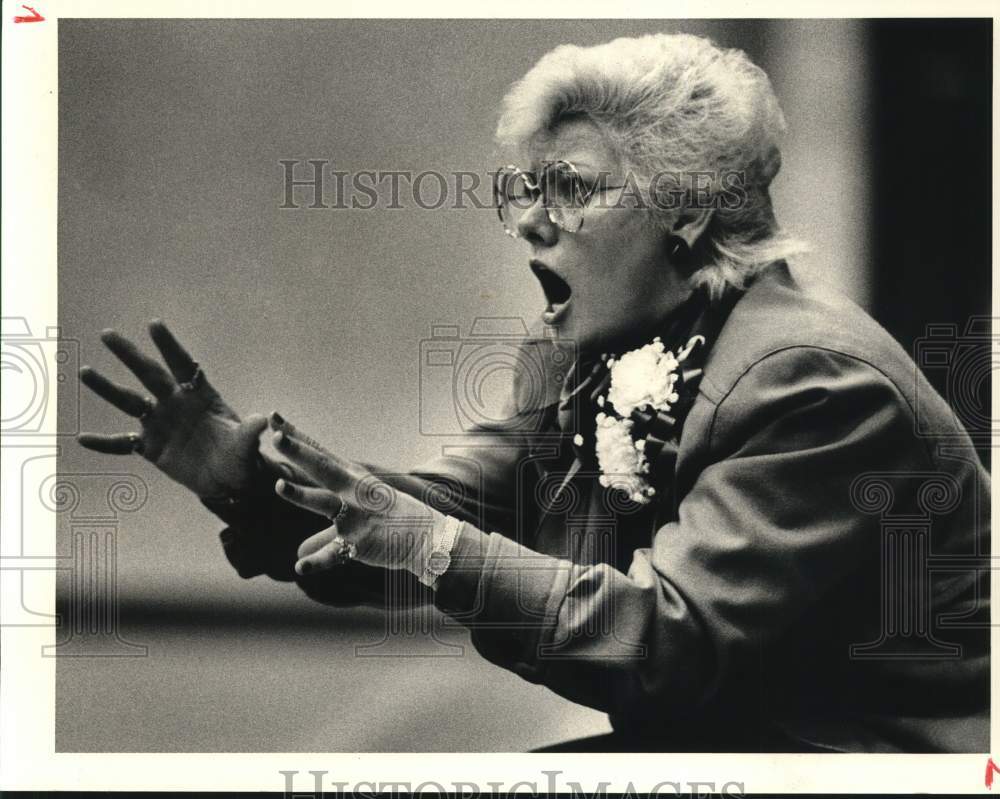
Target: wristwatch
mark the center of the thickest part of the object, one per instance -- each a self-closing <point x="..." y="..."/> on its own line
<point x="439" y="559"/>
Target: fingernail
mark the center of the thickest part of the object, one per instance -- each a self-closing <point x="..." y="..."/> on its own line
<point x="277" y="418"/>
<point x="303" y="567"/>
<point x="287" y="489"/>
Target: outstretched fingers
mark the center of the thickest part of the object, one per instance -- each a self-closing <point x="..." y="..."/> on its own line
<point x="325" y="468"/>
<point x="330" y="554"/>
<point x="322" y="551"/>
<point x="317" y="500"/>
<point x="182" y="366"/>
<point x="124" y="399"/>
<point x="153" y="376"/>
<point x="279" y="424"/>
<point x="114" y="444"/>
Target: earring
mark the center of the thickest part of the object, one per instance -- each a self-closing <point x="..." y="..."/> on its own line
<point x="678" y="250"/>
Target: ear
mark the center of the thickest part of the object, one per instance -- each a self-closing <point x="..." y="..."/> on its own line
<point x="690" y="224"/>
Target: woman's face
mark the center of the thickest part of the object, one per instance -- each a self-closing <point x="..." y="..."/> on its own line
<point x="615" y="266"/>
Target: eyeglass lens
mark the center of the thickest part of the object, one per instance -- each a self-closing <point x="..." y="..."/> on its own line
<point x="562" y="191"/>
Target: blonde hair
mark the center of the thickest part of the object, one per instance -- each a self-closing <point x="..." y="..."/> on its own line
<point x="672" y="104"/>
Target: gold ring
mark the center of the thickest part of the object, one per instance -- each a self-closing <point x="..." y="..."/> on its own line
<point x="195" y="380"/>
<point x="149" y="405"/>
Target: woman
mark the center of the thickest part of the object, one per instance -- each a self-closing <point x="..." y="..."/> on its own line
<point x="699" y="553"/>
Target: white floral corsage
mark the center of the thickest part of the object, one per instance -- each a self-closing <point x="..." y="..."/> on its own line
<point x="644" y="379"/>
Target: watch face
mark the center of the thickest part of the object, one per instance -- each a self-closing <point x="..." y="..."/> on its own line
<point x="438" y="562"/>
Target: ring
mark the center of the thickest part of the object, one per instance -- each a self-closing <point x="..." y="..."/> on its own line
<point x="195" y="380"/>
<point x="149" y="405"/>
<point x="136" y="441"/>
<point x="345" y="549"/>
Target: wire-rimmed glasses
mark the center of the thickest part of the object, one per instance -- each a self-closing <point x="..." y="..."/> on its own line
<point x="563" y="190"/>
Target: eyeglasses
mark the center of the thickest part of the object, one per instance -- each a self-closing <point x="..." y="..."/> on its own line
<point x="563" y="190"/>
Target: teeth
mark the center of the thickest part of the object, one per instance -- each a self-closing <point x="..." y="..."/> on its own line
<point x="554" y="312"/>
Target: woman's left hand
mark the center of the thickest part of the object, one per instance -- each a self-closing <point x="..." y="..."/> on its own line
<point x="370" y="519"/>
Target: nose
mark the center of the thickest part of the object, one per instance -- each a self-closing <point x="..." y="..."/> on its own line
<point x="535" y="227"/>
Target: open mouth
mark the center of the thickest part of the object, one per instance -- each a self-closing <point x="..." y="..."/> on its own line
<point x="557" y="292"/>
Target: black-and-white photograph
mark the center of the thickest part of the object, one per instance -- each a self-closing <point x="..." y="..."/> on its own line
<point x="511" y="385"/>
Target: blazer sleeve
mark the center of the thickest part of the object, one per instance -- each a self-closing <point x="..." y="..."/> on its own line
<point x="264" y="532"/>
<point x="766" y="528"/>
<point x="477" y="482"/>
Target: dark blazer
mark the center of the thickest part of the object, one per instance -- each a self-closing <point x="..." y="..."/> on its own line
<point x="805" y="581"/>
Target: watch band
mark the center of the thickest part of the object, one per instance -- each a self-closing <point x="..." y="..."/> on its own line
<point x="439" y="559"/>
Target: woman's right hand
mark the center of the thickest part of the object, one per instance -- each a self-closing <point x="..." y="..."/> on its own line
<point x="187" y="430"/>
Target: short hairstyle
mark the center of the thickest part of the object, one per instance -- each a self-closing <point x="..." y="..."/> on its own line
<point x="672" y="104"/>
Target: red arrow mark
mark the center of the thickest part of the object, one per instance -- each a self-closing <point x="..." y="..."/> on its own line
<point x="35" y="16"/>
<point x="991" y="769"/>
